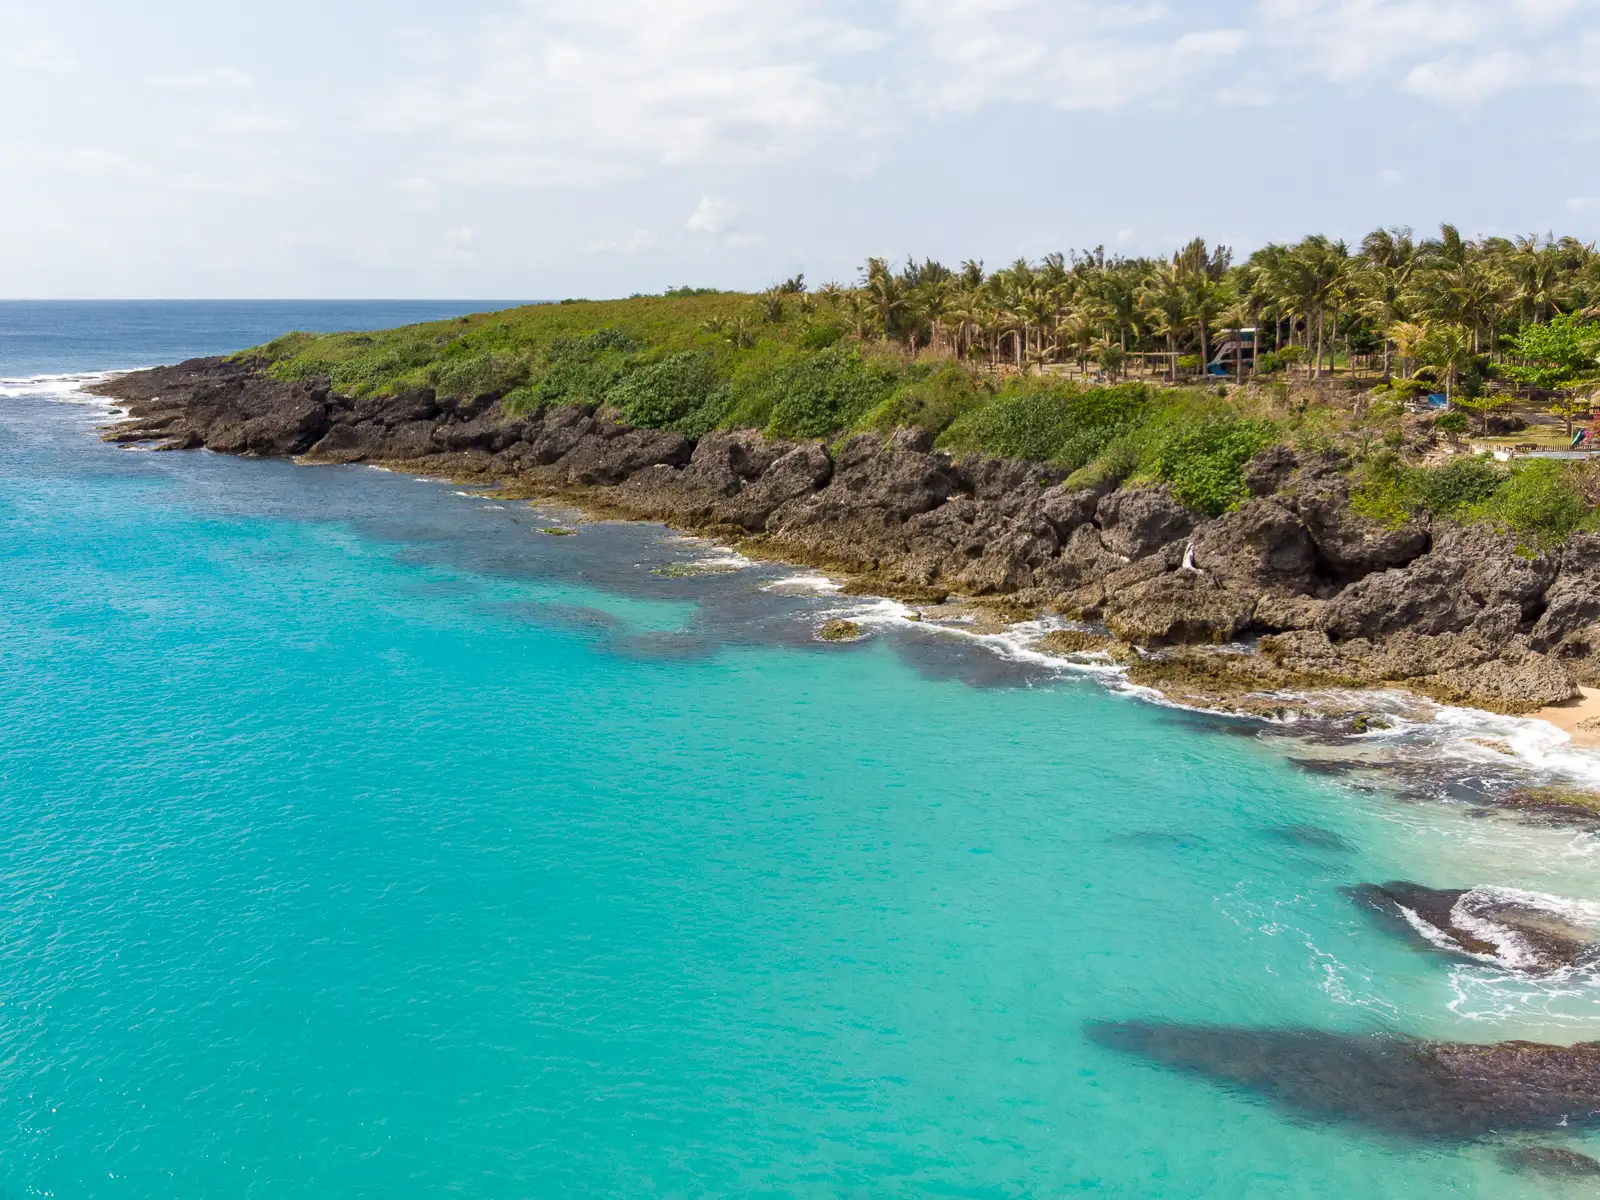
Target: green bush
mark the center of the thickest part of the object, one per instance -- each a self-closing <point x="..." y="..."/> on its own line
<point x="1203" y="462"/>
<point x="581" y="370"/>
<point x="1540" y="500"/>
<point x="1454" y="421"/>
<point x="819" y="335"/>
<point x="1051" y="422"/>
<point x="1458" y="486"/>
<point x="683" y="393"/>
<point x="930" y="400"/>
<point x="1270" y="363"/>
<point x="1389" y="491"/>
<point x="828" y="391"/>
<point x="479" y="375"/>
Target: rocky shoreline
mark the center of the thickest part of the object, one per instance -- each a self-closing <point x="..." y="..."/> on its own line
<point x="1328" y="599"/>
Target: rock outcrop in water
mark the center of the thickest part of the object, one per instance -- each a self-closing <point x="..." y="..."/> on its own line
<point x="1463" y="615"/>
<point x="1397" y="1085"/>
<point x="1522" y="931"/>
<point x="1553" y="1162"/>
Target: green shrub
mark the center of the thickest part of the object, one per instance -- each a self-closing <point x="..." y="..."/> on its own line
<point x="819" y="335"/>
<point x="683" y="393"/>
<point x="1203" y="462"/>
<point x="827" y="392"/>
<point x="1270" y="363"/>
<point x="932" y="401"/>
<point x="1539" y="499"/>
<point x="1389" y="491"/>
<point x="581" y="370"/>
<point x="1051" y="422"/>
<point x="479" y="375"/>
<point x="1410" y="389"/>
<point x="1458" y="486"/>
<point x="1454" y="421"/>
<point x="1381" y="492"/>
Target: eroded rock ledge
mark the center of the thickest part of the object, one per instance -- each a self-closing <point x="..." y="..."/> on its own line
<point x="1460" y="614"/>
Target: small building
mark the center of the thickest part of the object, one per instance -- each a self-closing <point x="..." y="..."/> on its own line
<point x="1235" y="354"/>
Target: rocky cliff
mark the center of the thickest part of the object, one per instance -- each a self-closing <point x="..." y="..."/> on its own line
<point x="1460" y="614"/>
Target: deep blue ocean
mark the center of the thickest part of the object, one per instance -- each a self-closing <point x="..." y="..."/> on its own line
<point x="359" y="840"/>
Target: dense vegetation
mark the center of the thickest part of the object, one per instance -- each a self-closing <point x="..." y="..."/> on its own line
<point x="977" y="358"/>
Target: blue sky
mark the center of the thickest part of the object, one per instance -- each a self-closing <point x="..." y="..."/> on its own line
<point x="547" y="148"/>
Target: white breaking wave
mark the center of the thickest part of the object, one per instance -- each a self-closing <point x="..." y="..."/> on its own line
<point x="1515" y="986"/>
<point x="715" y="554"/>
<point x="817" y="585"/>
<point x="1015" y="643"/>
<point x="62" y="389"/>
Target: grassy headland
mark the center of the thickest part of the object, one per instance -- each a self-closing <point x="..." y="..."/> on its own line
<point x="1092" y="364"/>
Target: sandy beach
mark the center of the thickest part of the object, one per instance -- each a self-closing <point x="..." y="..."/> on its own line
<point x="1580" y="718"/>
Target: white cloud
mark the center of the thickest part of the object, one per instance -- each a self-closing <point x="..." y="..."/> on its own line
<point x="639" y="239"/>
<point x="207" y="79"/>
<point x="965" y="54"/>
<point x="1455" y="53"/>
<point x="424" y="193"/>
<point x="257" y="121"/>
<point x="1468" y="83"/>
<point x="574" y="92"/>
<point x="42" y="54"/>
<point x="567" y="90"/>
<point x="709" y="216"/>
<point x="459" y="245"/>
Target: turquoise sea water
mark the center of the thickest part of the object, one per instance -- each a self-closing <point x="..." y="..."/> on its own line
<point x="358" y="840"/>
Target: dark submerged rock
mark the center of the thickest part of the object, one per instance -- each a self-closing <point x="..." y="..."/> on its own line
<point x="1311" y="837"/>
<point x="1554" y="1162"/>
<point x="1397" y="1085"/>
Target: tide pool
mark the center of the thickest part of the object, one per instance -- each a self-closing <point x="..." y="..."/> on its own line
<point x="359" y="840"/>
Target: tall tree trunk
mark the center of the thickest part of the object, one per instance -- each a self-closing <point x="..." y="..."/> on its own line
<point x="1320" y="319"/>
<point x="1386" y="376"/>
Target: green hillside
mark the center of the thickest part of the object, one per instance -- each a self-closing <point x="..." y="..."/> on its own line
<point x="1093" y="366"/>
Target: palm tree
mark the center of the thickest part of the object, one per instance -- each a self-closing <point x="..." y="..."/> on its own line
<point x="1389" y="257"/>
<point x="859" y="311"/>
<point x="741" y="334"/>
<point x="1447" y="348"/>
<point x="1538" y="283"/>
<point x="1118" y="294"/>
<point x="886" y="294"/>
<point x="1076" y="329"/>
<point x="1165" y="302"/>
<point x="1408" y="338"/>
